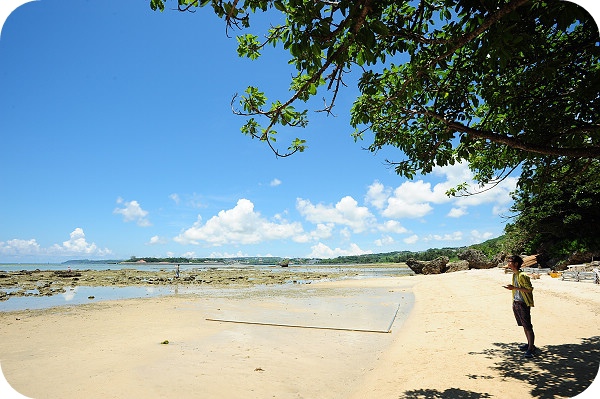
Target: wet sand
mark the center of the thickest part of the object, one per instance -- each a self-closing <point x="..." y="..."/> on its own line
<point x="459" y="340"/>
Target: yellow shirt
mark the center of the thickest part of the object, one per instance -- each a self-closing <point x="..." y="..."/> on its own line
<point x="522" y="280"/>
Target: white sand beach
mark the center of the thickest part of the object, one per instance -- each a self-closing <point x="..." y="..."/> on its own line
<point x="459" y="340"/>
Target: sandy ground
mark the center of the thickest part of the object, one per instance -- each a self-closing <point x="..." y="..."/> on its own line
<point x="459" y="340"/>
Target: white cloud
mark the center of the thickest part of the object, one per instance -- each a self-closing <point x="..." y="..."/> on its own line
<point x="383" y="241"/>
<point x="346" y="212"/>
<point x="132" y="211"/>
<point x="321" y="250"/>
<point x="239" y="225"/>
<point x="155" y="240"/>
<point x="275" y="182"/>
<point x="477" y="237"/>
<point x="457" y="212"/>
<point x="377" y="195"/>
<point x="500" y="209"/>
<point x="76" y="245"/>
<point x="455" y="236"/>
<point x="345" y="233"/>
<point x="20" y="247"/>
<point x="392" y="226"/>
<point x="498" y="195"/>
<point x="415" y="199"/>
<point x="411" y="240"/>
<point x="453" y="174"/>
<point x="322" y="231"/>
<point x="402" y="205"/>
<point x="239" y="254"/>
<point x="460" y="173"/>
<point x="412" y="199"/>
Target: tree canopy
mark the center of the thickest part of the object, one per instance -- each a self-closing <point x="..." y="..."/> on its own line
<point x="503" y="85"/>
<point x="496" y="83"/>
<point x="562" y="218"/>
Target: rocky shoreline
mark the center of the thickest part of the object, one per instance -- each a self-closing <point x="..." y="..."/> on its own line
<point x="52" y="282"/>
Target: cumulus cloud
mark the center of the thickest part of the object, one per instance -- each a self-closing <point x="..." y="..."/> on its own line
<point x="383" y="241"/>
<point x="411" y="240"/>
<point x="20" y="247"/>
<point x="477" y="236"/>
<point x="455" y="236"/>
<point x="321" y="250"/>
<point x="392" y="226"/>
<point x="415" y="199"/>
<point x="346" y="212"/>
<point x="345" y="233"/>
<point x="239" y="225"/>
<point x="460" y="173"/>
<point x="238" y="254"/>
<point x="275" y="182"/>
<point x="156" y="240"/>
<point x="76" y="245"/>
<point x="377" y="195"/>
<point x="322" y="231"/>
<point x="133" y="212"/>
<point x="457" y="212"/>
<point x="412" y="199"/>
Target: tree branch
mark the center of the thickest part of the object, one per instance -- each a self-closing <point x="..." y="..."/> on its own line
<point x="514" y="142"/>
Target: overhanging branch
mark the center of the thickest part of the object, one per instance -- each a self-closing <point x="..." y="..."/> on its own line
<point x="515" y="142"/>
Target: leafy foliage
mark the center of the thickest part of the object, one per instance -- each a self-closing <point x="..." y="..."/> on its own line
<point x="561" y="217"/>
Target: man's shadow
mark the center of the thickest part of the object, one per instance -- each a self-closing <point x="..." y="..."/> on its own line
<point x="557" y="370"/>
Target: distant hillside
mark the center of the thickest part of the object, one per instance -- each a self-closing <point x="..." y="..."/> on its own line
<point x="489" y="248"/>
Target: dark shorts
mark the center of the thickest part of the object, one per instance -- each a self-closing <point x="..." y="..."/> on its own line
<point x="522" y="314"/>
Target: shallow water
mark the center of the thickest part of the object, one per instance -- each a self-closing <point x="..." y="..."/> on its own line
<point x="84" y="294"/>
<point x="80" y="295"/>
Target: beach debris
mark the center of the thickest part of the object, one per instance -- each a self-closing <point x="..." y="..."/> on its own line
<point x="258" y="369"/>
<point x="165" y="342"/>
<point x="91" y="297"/>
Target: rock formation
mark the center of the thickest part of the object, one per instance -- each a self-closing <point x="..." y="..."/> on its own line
<point x="435" y="266"/>
<point x="457" y="266"/>
<point x="476" y="259"/>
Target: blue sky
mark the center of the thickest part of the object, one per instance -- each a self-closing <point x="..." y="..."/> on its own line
<point x="118" y="140"/>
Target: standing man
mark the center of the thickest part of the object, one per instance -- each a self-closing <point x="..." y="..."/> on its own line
<point x="522" y="292"/>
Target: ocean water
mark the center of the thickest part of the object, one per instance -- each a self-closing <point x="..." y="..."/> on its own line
<point x="83" y="294"/>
